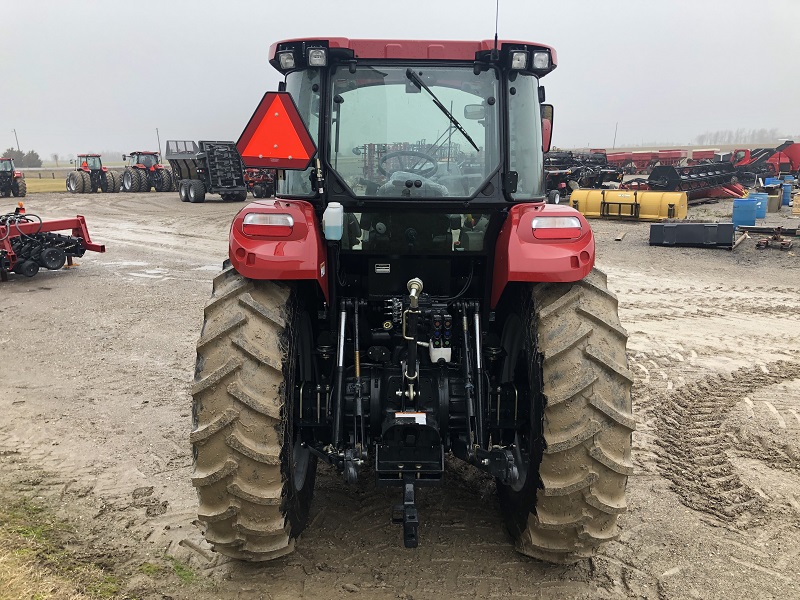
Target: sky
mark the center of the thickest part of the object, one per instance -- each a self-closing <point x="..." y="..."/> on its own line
<point x="94" y="75"/>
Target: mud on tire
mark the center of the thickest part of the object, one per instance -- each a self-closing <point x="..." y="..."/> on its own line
<point x="576" y="347"/>
<point x="251" y="503"/>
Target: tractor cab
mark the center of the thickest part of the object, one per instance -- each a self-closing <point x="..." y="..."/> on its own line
<point x="146" y="159"/>
<point x="91" y="162"/>
<point x="6" y="165"/>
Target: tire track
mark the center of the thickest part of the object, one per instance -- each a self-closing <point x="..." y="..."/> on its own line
<point x="694" y="444"/>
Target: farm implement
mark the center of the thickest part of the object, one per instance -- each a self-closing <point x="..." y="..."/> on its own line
<point x="27" y="243"/>
<point x="207" y="168"/>
<point x="566" y="171"/>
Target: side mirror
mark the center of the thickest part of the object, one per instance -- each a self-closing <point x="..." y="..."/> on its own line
<point x="474" y="112"/>
<point x="71" y="161"/>
<point x="124" y="157"/>
<point x="547" y="126"/>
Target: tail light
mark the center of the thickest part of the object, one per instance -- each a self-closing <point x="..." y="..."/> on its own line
<point x="556" y="228"/>
<point x="267" y="225"/>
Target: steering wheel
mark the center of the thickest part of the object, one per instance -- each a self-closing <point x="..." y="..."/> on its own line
<point x="419" y="168"/>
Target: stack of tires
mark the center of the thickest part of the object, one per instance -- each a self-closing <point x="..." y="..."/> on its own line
<point x="138" y="180"/>
<point x="80" y="182"/>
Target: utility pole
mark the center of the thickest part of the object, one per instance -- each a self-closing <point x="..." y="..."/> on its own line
<point x="159" y="142"/>
<point x="16" y="138"/>
<point x="614" y="145"/>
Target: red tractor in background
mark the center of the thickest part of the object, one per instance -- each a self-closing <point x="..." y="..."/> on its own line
<point x="12" y="182"/>
<point x="382" y="320"/>
<point x="91" y="176"/>
<point x="260" y="182"/>
<point x="145" y="171"/>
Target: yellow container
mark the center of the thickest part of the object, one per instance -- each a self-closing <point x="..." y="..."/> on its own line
<point x="630" y="204"/>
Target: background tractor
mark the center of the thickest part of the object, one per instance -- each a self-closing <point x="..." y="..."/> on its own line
<point x="12" y="182"/>
<point x="260" y="182"/>
<point x="91" y="176"/>
<point x="402" y="300"/>
<point x="145" y="171"/>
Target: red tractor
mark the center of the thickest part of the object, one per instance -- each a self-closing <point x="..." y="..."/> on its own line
<point x="260" y="182"/>
<point x="145" y="171"/>
<point x="12" y="182"/>
<point x="91" y="176"/>
<point x="433" y="308"/>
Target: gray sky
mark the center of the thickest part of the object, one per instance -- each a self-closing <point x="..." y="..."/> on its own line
<point x="85" y="75"/>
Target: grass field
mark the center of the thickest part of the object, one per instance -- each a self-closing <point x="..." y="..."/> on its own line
<point x="45" y="185"/>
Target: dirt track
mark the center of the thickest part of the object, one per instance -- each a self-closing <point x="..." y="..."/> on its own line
<point x="96" y="364"/>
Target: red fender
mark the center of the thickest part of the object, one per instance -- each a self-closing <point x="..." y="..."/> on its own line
<point x="562" y="255"/>
<point x="298" y="255"/>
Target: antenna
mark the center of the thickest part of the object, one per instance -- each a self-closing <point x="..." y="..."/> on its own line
<point x="496" y="17"/>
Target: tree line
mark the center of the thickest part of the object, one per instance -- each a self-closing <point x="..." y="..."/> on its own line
<point x="24" y="160"/>
<point x="741" y="136"/>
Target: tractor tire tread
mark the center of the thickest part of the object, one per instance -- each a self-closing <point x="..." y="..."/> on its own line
<point x="238" y="433"/>
<point x="588" y="421"/>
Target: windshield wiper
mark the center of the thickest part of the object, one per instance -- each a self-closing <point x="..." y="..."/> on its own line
<point x="421" y="85"/>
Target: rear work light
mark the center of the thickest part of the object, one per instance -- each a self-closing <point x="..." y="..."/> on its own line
<point x="519" y="61"/>
<point x="556" y="228"/>
<point x="541" y="60"/>
<point x="269" y="225"/>
<point x="317" y="57"/>
<point x="286" y="59"/>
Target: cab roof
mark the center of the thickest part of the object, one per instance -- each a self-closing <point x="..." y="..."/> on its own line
<point x="87" y="155"/>
<point x="459" y="50"/>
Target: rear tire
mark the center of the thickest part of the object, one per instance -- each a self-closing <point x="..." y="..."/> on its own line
<point x="130" y="180"/>
<point x="75" y="182"/>
<point x="251" y="502"/>
<point x="19" y="188"/>
<point x="574" y="344"/>
<point x="112" y="183"/>
<point x="144" y="180"/>
<point x="87" y="182"/>
<point x="197" y="191"/>
<point x="164" y="182"/>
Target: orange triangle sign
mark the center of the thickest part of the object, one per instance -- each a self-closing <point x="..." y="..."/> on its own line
<point x="276" y="136"/>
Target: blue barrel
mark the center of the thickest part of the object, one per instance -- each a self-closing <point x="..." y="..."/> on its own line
<point x="771" y="180"/>
<point x="760" y="198"/>
<point x="744" y="212"/>
<point x="787" y="193"/>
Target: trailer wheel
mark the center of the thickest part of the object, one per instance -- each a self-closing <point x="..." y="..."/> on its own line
<point x="197" y="191"/>
<point x="574" y="457"/>
<point x="239" y="196"/>
<point x="19" y="188"/>
<point x="259" y="191"/>
<point x="183" y="190"/>
<point x="254" y="480"/>
<point x="225" y="197"/>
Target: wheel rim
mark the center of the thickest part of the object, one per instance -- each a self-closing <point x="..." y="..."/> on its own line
<point x="127" y="180"/>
